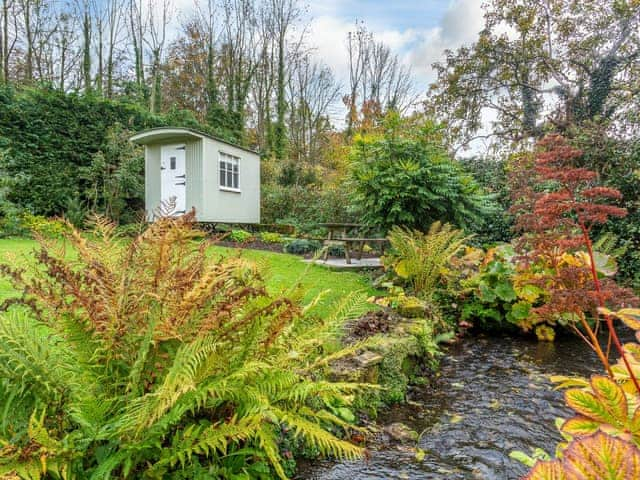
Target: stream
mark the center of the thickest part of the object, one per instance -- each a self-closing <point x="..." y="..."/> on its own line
<point x="492" y="396"/>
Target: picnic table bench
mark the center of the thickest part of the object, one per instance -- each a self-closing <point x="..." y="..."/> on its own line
<point x="339" y="236"/>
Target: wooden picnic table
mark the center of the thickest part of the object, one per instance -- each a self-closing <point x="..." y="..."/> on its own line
<point x="340" y="229"/>
<point x="339" y="235"/>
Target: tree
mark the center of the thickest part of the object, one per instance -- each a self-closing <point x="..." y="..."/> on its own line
<point x="137" y="27"/>
<point x="285" y="13"/>
<point x="576" y="60"/>
<point x="357" y="47"/>
<point x="4" y="40"/>
<point x="312" y="90"/>
<point x="186" y="71"/>
<point x="240" y="47"/>
<point x="116" y="27"/>
<point x="378" y="82"/>
<point x="406" y="178"/>
<point x="86" y="45"/>
<point x="158" y="21"/>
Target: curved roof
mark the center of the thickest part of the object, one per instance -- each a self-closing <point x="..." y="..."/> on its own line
<point x="177" y="134"/>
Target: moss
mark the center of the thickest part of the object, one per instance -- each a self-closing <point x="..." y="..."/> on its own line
<point x="411" y="307"/>
<point x="393" y="378"/>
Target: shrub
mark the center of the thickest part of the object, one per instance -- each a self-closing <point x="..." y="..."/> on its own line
<point x="150" y="359"/>
<point x="491" y="175"/>
<point x="407" y="178"/>
<point x="115" y="177"/>
<point x="11" y="220"/>
<point x="271" y="237"/>
<point x="43" y="226"/>
<point x="493" y="299"/>
<point x="420" y="258"/>
<point x="557" y="205"/>
<point x="602" y="439"/>
<point x="616" y="159"/>
<point x="302" y="246"/>
<point x="306" y="206"/>
<point x="239" y="236"/>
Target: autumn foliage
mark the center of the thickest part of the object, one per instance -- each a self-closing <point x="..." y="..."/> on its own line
<point x="167" y="361"/>
<point x="557" y="205"/>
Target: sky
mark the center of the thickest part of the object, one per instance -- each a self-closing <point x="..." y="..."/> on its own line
<point x="417" y="30"/>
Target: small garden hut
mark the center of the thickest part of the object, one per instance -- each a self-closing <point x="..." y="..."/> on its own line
<point x="217" y="178"/>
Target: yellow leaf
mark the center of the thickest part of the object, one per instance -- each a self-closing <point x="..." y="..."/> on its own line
<point x="580" y="426"/>
<point x="402" y="269"/>
<point x="569" y="382"/>
<point x="455" y="418"/>
<point x="588" y="405"/>
<point x="578" y="260"/>
<point x="611" y="396"/>
<point x="547" y="471"/>
<point x="602" y="456"/>
<point x="630" y="317"/>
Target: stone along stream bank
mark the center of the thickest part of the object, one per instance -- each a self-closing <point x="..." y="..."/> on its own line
<point x="492" y="396"/>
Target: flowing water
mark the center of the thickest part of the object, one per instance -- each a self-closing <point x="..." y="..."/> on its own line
<point x="492" y="396"/>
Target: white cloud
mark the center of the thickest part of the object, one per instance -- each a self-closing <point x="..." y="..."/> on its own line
<point x="418" y="48"/>
<point x="460" y="25"/>
<point x="328" y="37"/>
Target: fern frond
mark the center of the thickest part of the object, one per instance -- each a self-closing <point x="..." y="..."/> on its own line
<point x="315" y="436"/>
<point x="208" y="440"/>
<point x="420" y="258"/>
<point x="34" y="358"/>
<point x="351" y="306"/>
<point x="268" y="442"/>
<point x="180" y="379"/>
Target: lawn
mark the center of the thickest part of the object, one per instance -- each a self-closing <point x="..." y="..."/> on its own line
<point x="281" y="272"/>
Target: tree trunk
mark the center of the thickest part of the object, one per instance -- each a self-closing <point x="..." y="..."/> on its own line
<point x="5" y="40"/>
<point x="280" y="131"/>
<point x="156" y="96"/>
<point x="29" y="39"/>
<point x="63" y="62"/>
<point x="136" y="40"/>
<point x="99" y="74"/>
<point x="86" y="51"/>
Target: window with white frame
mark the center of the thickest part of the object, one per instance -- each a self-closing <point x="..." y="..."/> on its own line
<point x="229" y="172"/>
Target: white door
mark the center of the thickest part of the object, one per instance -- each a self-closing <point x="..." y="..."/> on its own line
<point x="173" y="177"/>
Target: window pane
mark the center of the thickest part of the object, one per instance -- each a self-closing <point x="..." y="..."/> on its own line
<point x="172" y="162"/>
<point x="229" y="171"/>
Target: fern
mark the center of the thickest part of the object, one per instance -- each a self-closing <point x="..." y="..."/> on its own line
<point x="140" y="358"/>
<point x="421" y="258"/>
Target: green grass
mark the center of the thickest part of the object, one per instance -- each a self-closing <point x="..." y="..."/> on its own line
<point x="282" y="272"/>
